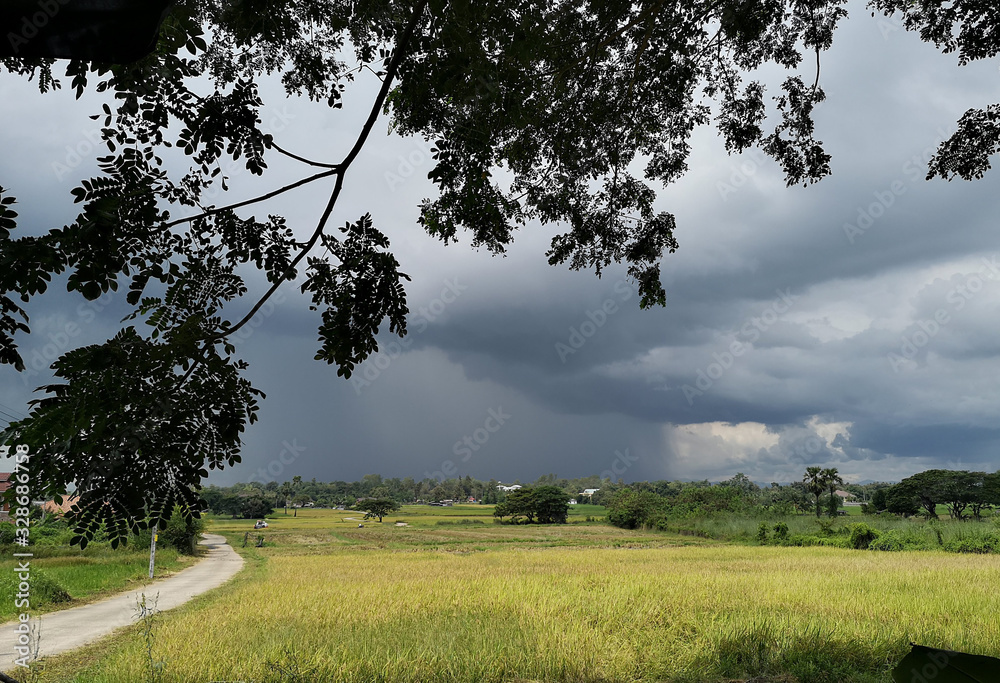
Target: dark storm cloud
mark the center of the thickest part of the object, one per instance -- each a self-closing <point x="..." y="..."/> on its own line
<point x="775" y="351"/>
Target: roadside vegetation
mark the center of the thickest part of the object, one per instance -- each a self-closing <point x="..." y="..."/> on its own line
<point x="63" y="575"/>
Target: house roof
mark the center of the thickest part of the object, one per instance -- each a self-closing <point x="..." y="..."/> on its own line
<point x="5" y="482"/>
<point x="68" y="503"/>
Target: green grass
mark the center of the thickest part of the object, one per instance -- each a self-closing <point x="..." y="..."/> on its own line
<point x="912" y="533"/>
<point x="576" y="603"/>
<point x="85" y="575"/>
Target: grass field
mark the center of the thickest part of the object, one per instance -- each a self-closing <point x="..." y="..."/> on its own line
<point x="443" y="600"/>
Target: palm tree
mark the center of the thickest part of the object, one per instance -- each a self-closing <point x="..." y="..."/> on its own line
<point x="816" y="483"/>
<point x="832" y="480"/>
<point x="286" y="493"/>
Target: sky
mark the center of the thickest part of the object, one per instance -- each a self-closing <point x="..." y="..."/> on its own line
<point x="850" y="324"/>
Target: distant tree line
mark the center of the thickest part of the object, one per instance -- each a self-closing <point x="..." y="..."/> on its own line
<point x="966" y="495"/>
<point x="250" y="500"/>
<point x="256" y="499"/>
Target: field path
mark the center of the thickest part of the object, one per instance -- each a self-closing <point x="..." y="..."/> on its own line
<point x="72" y="628"/>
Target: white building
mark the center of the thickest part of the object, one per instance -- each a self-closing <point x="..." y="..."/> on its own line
<point x="512" y="487"/>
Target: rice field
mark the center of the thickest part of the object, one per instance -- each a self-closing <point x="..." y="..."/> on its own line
<point x="325" y="600"/>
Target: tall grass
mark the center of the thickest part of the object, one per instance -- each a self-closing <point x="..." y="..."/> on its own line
<point x="489" y="611"/>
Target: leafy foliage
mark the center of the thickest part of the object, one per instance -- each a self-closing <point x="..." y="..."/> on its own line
<point x="378" y="507"/>
<point x="544" y="504"/>
<point x="539" y="112"/>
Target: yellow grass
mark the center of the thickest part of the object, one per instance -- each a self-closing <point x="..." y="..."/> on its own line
<point x="573" y="603"/>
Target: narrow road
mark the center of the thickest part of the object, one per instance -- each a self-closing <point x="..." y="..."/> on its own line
<point x="73" y="628"/>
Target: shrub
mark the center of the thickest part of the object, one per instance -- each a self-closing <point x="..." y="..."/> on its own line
<point x="762" y="533"/>
<point x="982" y="545"/>
<point x="182" y="533"/>
<point x="781" y="532"/>
<point x="889" y="541"/>
<point x="862" y="536"/>
<point x="633" y="509"/>
<point x="7" y="532"/>
<point x="825" y="527"/>
<point x="52" y="532"/>
<point x="44" y="589"/>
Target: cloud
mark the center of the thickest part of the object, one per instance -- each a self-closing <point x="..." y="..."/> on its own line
<point x="860" y="265"/>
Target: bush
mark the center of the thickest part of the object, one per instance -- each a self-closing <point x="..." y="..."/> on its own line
<point x="982" y="545"/>
<point x="781" y="532"/>
<point x="181" y="533"/>
<point x="7" y="533"/>
<point x="826" y="527"/>
<point x="44" y="589"/>
<point x="889" y="541"/>
<point x="52" y="532"/>
<point x="862" y="536"/>
<point x="633" y="509"/>
<point x="762" y="533"/>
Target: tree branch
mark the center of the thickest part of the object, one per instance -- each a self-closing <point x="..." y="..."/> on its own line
<point x="342" y="167"/>
<point x="255" y="200"/>
<point x="298" y="158"/>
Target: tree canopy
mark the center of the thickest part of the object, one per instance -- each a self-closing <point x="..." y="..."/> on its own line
<point x="545" y="504"/>
<point x="567" y="112"/>
<point x="377" y="507"/>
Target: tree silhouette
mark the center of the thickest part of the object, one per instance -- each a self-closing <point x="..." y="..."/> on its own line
<point x="564" y="96"/>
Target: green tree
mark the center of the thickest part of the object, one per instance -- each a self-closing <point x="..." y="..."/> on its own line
<point x="832" y="480"/>
<point x="743" y="484"/>
<point x="632" y="509"/>
<point x="900" y="500"/>
<point x="931" y="488"/>
<point x="182" y="531"/>
<point x="254" y="505"/>
<point x="377" y="507"/>
<point x="551" y="504"/>
<point x="988" y="497"/>
<point x="500" y="510"/>
<point x="815" y="483"/>
<point x="567" y="99"/>
<point x="958" y="490"/>
<point x="521" y="503"/>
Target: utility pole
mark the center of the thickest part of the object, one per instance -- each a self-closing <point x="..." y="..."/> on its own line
<point x="152" y="550"/>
